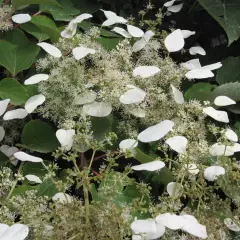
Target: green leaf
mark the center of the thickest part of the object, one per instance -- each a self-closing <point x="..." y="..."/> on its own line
<point x="20" y="190"/>
<point x="229" y="72"/>
<point x="230" y="90"/>
<point x="142" y="157"/>
<point x="11" y="88"/>
<point x="47" y="188"/>
<point x="4" y="160"/>
<point x="101" y="126"/>
<point x="226" y="13"/>
<point x="15" y="37"/>
<point x="65" y="12"/>
<point x="237" y="128"/>
<point x="47" y="25"/>
<point x="109" y="43"/>
<point x="200" y="91"/>
<point x="87" y="6"/>
<point x="17" y="58"/>
<point x="35" y="31"/>
<point x="19" y="3"/>
<point x="39" y="136"/>
<point x="35" y="169"/>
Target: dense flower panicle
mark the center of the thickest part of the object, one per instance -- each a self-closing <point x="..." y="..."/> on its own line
<point x="5" y="18"/>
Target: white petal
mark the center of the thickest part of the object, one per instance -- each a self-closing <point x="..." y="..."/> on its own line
<point x="220" y="150"/>
<point x="127" y="144"/>
<point x="197" y="50"/>
<point x="213" y="66"/>
<point x="199" y="74"/>
<point x="220" y="116"/>
<point x="136" y="237"/>
<point x="187" y="33"/>
<point x="15" y="232"/>
<point x="145" y="71"/>
<point x="81" y="52"/>
<point x="24" y="157"/>
<point x="19" y="113"/>
<point x="177" y="143"/>
<point x="88" y="97"/>
<point x="148" y="35"/>
<point x="231" y="135"/>
<point x="135" y="31"/>
<point x="8" y="151"/>
<point x="2" y="133"/>
<point x="36" y="79"/>
<point x="109" y="22"/>
<point x="235" y="147"/>
<point x="109" y="14"/>
<point x="223" y="101"/>
<point x="143" y="226"/>
<point x="175" y="8"/>
<point x="135" y="95"/>
<point x="192" y="64"/>
<point x="157" y="234"/>
<point x="70" y="30"/>
<point x="139" y="45"/>
<point x="33" y="178"/>
<point x="50" y="49"/>
<point x="231" y="225"/>
<point x="192" y="168"/>
<point x="174" y="42"/>
<point x="174" y="189"/>
<point x="177" y="95"/>
<point x="138" y="112"/>
<point x="194" y="228"/>
<point x="122" y="32"/>
<point x="171" y="221"/>
<point x="211" y="173"/>
<point x="121" y="20"/>
<point x="66" y="138"/>
<point x="3" y="228"/>
<point x="169" y="3"/>
<point x="82" y="17"/>
<point x="62" y="197"/>
<point x="21" y="18"/>
<point x="97" y="109"/>
<point x="33" y="102"/>
<point x="3" y="106"/>
<point x="150" y="166"/>
<point x="156" y="132"/>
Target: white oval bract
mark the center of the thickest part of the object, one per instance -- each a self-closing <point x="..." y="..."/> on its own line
<point x="177" y="95"/>
<point x="177" y="143"/>
<point x="174" y="189"/>
<point x="156" y="132"/>
<point x="174" y="42"/>
<point x="150" y="166"/>
<point x="220" y="116"/>
<point x="135" y="31"/>
<point x="223" y="101"/>
<point x="33" y="102"/>
<point x="62" y="198"/>
<point x="145" y="71"/>
<point x="24" y="157"/>
<point x="21" y="18"/>
<point x="50" y="49"/>
<point x="134" y="95"/>
<point x="36" y="79"/>
<point x="128" y="144"/>
<point x="81" y="52"/>
<point x="171" y="221"/>
<point x="197" y="50"/>
<point x="231" y="135"/>
<point x="97" y="109"/>
<point x="15" y="232"/>
<point x="33" y="178"/>
<point x="3" y="106"/>
<point x="122" y="32"/>
<point x="2" y="133"/>
<point x="211" y="173"/>
<point x="19" y="113"/>
<point x="66" y="138"/>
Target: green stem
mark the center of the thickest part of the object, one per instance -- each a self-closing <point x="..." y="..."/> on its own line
<point x="15" y="183"/>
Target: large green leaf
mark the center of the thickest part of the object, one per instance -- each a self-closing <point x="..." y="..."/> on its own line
<point x="39" y="136"/>
<point x="200" y="91"/>
<point x="47" y="25"/>
<point x="47" y="188"/>
<point x="15" y="37"/>
<point x="11" y="88"/>
<point x="65" y="12"/>
<point x="35" y="31"/>
<point x="19" y="3"/>
<point x="87" y="6"/>
<point x="108" y="43"/>
<point x="35" y="169"/>
<point x="17" y="58"/>
<point x="226" y="13"/>
<point x="230" y="71"/>
<point x="230" y="90"/>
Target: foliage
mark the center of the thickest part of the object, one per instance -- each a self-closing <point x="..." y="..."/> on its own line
<point x="65" y="171"/>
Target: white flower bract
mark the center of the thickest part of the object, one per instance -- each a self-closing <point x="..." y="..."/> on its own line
<point x="33" y="102"/>
<point x="177" y="143"/>
<point x="97" y="109"/>
<point x="135" y="31"/>
<point x="33" y="178"/>
<point x="24" y="157"/>
<point x="50" y="49"/>
<point x="145" y="71"/>
<point x="66" y="138"/>
<point x="19" y="113"/>
<point x="2" y="133"/>
<point x="3" y="106"/>
<point x="197" y="50"/>
<point x="21" y="18"/>
<point x="223" y="101"/>
<point x="211" y="173"/>
<point x="150" y="166"/>
<point x="81" y="52"/>
<point x="122" y="32"/>
<point x="231" y="135"/>
<point x="62" y="198"/>
<point x="174" y="189"/>
<point x="128" y="144"/>
<point x="36" y="79"/>
<point x="174" y="42"/>
<point x="220" y="116"/>
<point x="177" y="95"/>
